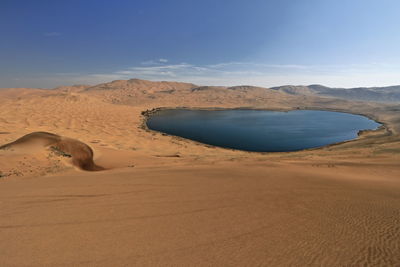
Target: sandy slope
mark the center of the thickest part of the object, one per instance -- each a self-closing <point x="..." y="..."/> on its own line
<point x="169" y="201"/>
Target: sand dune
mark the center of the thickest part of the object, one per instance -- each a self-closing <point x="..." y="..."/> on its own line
<point x="164" y="200"/>
<point x="81" y="153"/>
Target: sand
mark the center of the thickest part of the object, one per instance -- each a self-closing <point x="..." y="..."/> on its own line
<point x="164" y="200"/>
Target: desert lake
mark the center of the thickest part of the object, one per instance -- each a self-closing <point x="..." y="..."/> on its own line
<point x="261" y="130"/>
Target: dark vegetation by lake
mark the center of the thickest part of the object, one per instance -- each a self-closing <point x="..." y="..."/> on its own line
<point x="261" y="130"/>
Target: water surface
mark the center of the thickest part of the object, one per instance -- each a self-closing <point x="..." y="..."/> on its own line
<point x="261" y="130"/>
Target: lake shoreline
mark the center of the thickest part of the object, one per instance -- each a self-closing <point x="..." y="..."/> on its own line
<point x="146" y="114"/>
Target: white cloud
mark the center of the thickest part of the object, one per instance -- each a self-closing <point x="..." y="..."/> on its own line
<point x="240" y="73"/>
<point x="267" y="75"/>
<point x="155" y="62"/>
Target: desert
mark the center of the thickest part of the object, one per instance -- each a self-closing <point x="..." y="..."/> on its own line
<point x="199" y="133"/>
<point x="152" y="199"/>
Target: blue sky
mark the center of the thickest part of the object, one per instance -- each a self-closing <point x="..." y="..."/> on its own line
<point x="347" y="43"/>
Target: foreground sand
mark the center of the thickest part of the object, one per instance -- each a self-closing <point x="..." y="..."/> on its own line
<point x="169" y="201"/>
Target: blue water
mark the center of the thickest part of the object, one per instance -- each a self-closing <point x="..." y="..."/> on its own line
<point x="261" y="130"/>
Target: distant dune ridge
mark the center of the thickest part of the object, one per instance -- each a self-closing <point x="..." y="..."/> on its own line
<point x="380" y="94"/>
<point x="165" y="200"/>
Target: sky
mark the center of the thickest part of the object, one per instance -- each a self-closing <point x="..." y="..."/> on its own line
<point x="337" y="43"/>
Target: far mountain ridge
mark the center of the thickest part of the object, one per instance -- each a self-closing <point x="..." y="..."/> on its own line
<point x="379" y="94"/>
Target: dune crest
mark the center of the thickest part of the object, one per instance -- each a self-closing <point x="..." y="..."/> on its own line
<point x="81" y="153"/>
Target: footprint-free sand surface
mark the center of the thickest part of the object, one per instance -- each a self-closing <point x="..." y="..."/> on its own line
<point x="163" y="200"/>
